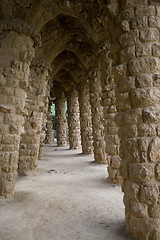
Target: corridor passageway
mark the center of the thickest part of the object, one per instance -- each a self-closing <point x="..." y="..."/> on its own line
<point x="69" y="198"/>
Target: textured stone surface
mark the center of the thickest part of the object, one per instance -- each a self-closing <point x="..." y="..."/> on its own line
<point x="49" y="127"/>
<point x="138" y="120"/>
<point x="97" y="117"/>
<point x="34" y="106"/>
<point x="61" y="121"/>
<point x="14" y="75"/>
<point x="85" y="119"/>
<point x="73" y="120"/>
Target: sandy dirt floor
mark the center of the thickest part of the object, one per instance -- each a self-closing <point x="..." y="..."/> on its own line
<point x="69" y="198"/>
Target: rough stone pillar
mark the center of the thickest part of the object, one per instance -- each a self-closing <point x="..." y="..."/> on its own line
<point x="85" y="118"/>
<point x="61" y="121"/>
<point x="138" y="103"/>
<point x="109" y="111"/>
<point x="30" y="139"/>
<point x="97" y="117"/>
<point x="73" y="120"/>
<point x="49" y="132"/>
<point x="16" y="53"/>
<point x="44" y="121"/>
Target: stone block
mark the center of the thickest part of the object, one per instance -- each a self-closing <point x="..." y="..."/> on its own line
<point x="141" y="172"/>
<point x="138" y="209"/>
<point x="115" y="162"/>
<point x="128" y="131"/>
<point x="145" y="10"/>
<point x="156" y="80"/>
<point x="127" y="14"/>
<point x="149" y="193"/>
<point x="20" y="93"/>
<point x="158" y="171"/>
<point x="149" y="35"/>
<point x="10" y="139"/>
<point x="129" y="150"/>
<point x="154" y="150"/>
<point x="129" y="38"/>
<point x="125" y="26"/>
<point x="2" y="80"/>
<point x="132" y="190"/>
<point x="154" y="21"/>
<point x="151" y="115"/>
<point x="112" y="139"/>
<point x="132" y="117"/>
<point x="156" y="50"/>
<point x="158" y="11"/>
<point x="13" y="119"/>
<point x="127" y="54"/>
<point x="14" y="158"/>
<point x="7" y="91"/>
<point x="146" y="130"/>
<point x="126" y="84"/>
<point x="145" y="97"/>
<point x="123" y="101"/>
<point x="154" y="211"/>
<point x="144" y="80"/>
<point x="4" y="158"/>
<point x="143" y="50"/>
<point x="120" y="72"/>
<point x="12" y="82"/>
<point x="143" y="65"/>
<point x="154" y="235"/>
<point x="139" y="22"/>
<point x="112" y="149"/>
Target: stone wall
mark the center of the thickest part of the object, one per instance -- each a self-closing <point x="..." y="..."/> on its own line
<point x="138" y="99"/>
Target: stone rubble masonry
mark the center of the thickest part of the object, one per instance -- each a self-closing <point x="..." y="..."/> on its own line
<point x="45" y="102"/>
<point x="73" y="120"/>
<point x="138" y="101"/>
<point x="61" y="121"/>
<point x="16" y="53"/>
<point x="49" y="126"/>
<point x="111" y="130"/>
<point x="97" y="116"/>
<point x="34" y="106"/>
<point x="85" y="118"/>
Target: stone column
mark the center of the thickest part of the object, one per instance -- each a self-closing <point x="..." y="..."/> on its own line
<point x="30" y="139"/>
<point x="61" y="121"/>
<point x="109" y="111"/>
<point x="16" y="53"/>
<point x="97" y="116"/>
<point x="138" y="101"/>
<point x="49" y="132"/>
<point x="73" y="120"/>
<point x="85" y="118"/>
<point x="44" y="121"/>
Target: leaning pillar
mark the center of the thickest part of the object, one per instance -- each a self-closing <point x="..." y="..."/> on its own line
<point x="30" y="139"/>
<point x="16" y="52"/>
<point x="61" y="121"/>
<point x="138" y="101"/>
<point x="109" y="111"/>
<point x="73" y="120"/>
<point x="44" y="121"/>
<point x="97" y="117"/>
<point x="49" y="127"/>
<point x="85" y="118"/>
